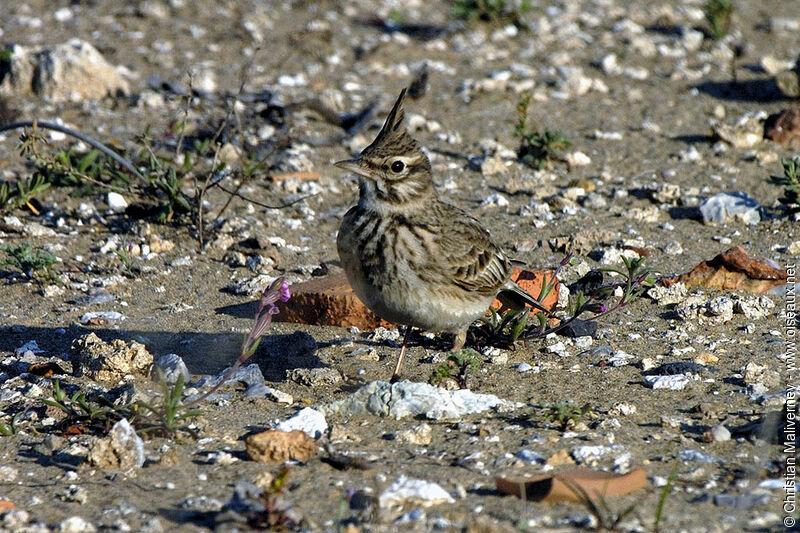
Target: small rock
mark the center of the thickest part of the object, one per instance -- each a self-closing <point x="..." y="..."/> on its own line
<point x="720" y="433"/>
<point x="67" y="72"/>
<point x="116" y="202"/>
<point x="673" y="382"/>
<point x="746" y="133"/>
<point x="735" y="205"/>
<point x="8" y="473"/>
<point x="123" y="448"/>
<point x="405" y="490"/>
<point x="406" y="398"/>
<point x="315" y="377"/>
<point x="276" y="446"/>
<point x="308" y="420"/>
<point x="101" y="318"/>
<point x="76" y="524"/>
<point x="531" y="457"/>
<point x="579" y="328"/>
<point x="578" y="159"/>
<point x="420" y="434"/>
<point x="689" y="456"/>
<point x="109" y="362"/>
<point x="172" y="367"/>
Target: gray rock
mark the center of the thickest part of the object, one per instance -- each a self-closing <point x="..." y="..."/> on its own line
<point x="315" y="377"/>
<point x="250" y="375"/>
<point x="727" y="206"/>
<point x="68" y="72"/>
<point x="406" y="398"/>
<point x="172" y="366"/>
<point x="695" y="456"/>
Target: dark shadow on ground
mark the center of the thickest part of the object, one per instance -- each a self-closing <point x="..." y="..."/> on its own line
<point x="203" y="352"/>
<point x="762" y="90"/>
<point x="694" y="138"/>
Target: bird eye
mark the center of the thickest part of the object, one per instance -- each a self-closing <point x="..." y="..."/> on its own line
<point x="397" y="167"/>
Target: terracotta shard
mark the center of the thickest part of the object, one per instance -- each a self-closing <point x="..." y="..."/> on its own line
<point x="784" y="127"/>
<point x="732" y="270"/>
<point x="573" y="485"/>
<point x="532" y="281"/>
<point x="46" y="370"/>
<point x="330" y="301"/>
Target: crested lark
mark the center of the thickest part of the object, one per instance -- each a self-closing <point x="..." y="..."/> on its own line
<point x="412" y="258"/>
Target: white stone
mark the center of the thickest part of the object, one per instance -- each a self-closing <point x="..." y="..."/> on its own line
<point x="308" y="420"/>
<point x="673" y="382"/>
<point x="116" y="202"/>
<point x="406" y="490"/>
<point x="410" y="399"/>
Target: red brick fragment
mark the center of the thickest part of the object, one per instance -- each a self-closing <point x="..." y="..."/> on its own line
<point x="732" y="270"/>
<point x="330" y="301"/>
<point x="784" y="127"/>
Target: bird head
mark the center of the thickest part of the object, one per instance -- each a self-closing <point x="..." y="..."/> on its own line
<point x="393" y="169"/>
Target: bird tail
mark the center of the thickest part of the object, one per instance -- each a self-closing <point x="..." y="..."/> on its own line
<point x="515" y="297"/>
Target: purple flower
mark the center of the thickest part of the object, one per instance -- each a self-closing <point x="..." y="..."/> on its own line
<point x="284" y="291"/>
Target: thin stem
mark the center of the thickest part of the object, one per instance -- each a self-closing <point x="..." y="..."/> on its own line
<point x="80" y="136"/>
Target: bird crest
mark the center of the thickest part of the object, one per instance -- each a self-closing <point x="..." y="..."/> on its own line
<point x="393" y="134"/>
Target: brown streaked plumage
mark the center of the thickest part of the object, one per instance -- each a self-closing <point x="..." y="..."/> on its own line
<point x="412" y="258"/>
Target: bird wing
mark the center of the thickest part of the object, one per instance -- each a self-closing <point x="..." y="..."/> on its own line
<point x="474" y="261"/>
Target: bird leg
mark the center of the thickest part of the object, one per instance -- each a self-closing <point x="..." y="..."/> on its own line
<point x="459" y="339"/>
<point x="396" y="373"/>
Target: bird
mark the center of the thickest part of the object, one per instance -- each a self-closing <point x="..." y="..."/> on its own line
<point x="412" y="258"/>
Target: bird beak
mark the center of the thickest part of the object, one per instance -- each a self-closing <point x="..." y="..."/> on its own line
<point x="355" y="166"/>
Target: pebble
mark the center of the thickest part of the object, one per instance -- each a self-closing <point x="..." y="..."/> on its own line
<point x="405" y="490"/>
<point x="76" y="524"/>
<point x="530" y="456"/>
<point x="731" y="206"/>
<point x="172" y="367"/>
<point x="420" y="434"/>
<point x="720" y="433"/>
<point x="116" y="202"/>
<point x="308" y="420"/>
<point x="673" y="382"/>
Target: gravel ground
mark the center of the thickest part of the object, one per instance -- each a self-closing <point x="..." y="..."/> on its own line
<point x="639" y="90"/>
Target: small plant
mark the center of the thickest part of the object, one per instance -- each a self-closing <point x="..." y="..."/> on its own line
<point x="662" y="498"/>
<point x="490" y="10"/>
<point x="456" y="368"/>
<point x="7" y="430"/>
<point x="567" y="415"/>
<point x="500" y="329"/>
<point x="125" y="262"/>
<point x="719" y="14"/>
<point x="34" y="263"/>
<point x="607" y="518"/>
<point x="790" y="182"/>
<point x="97" y="415"/>
<point x="21" y="193"/>
<point x="83" y="415"/>
<point x="537" y="150"/>
<point x="277" y="514"/>
<point x="168" y="418"/>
